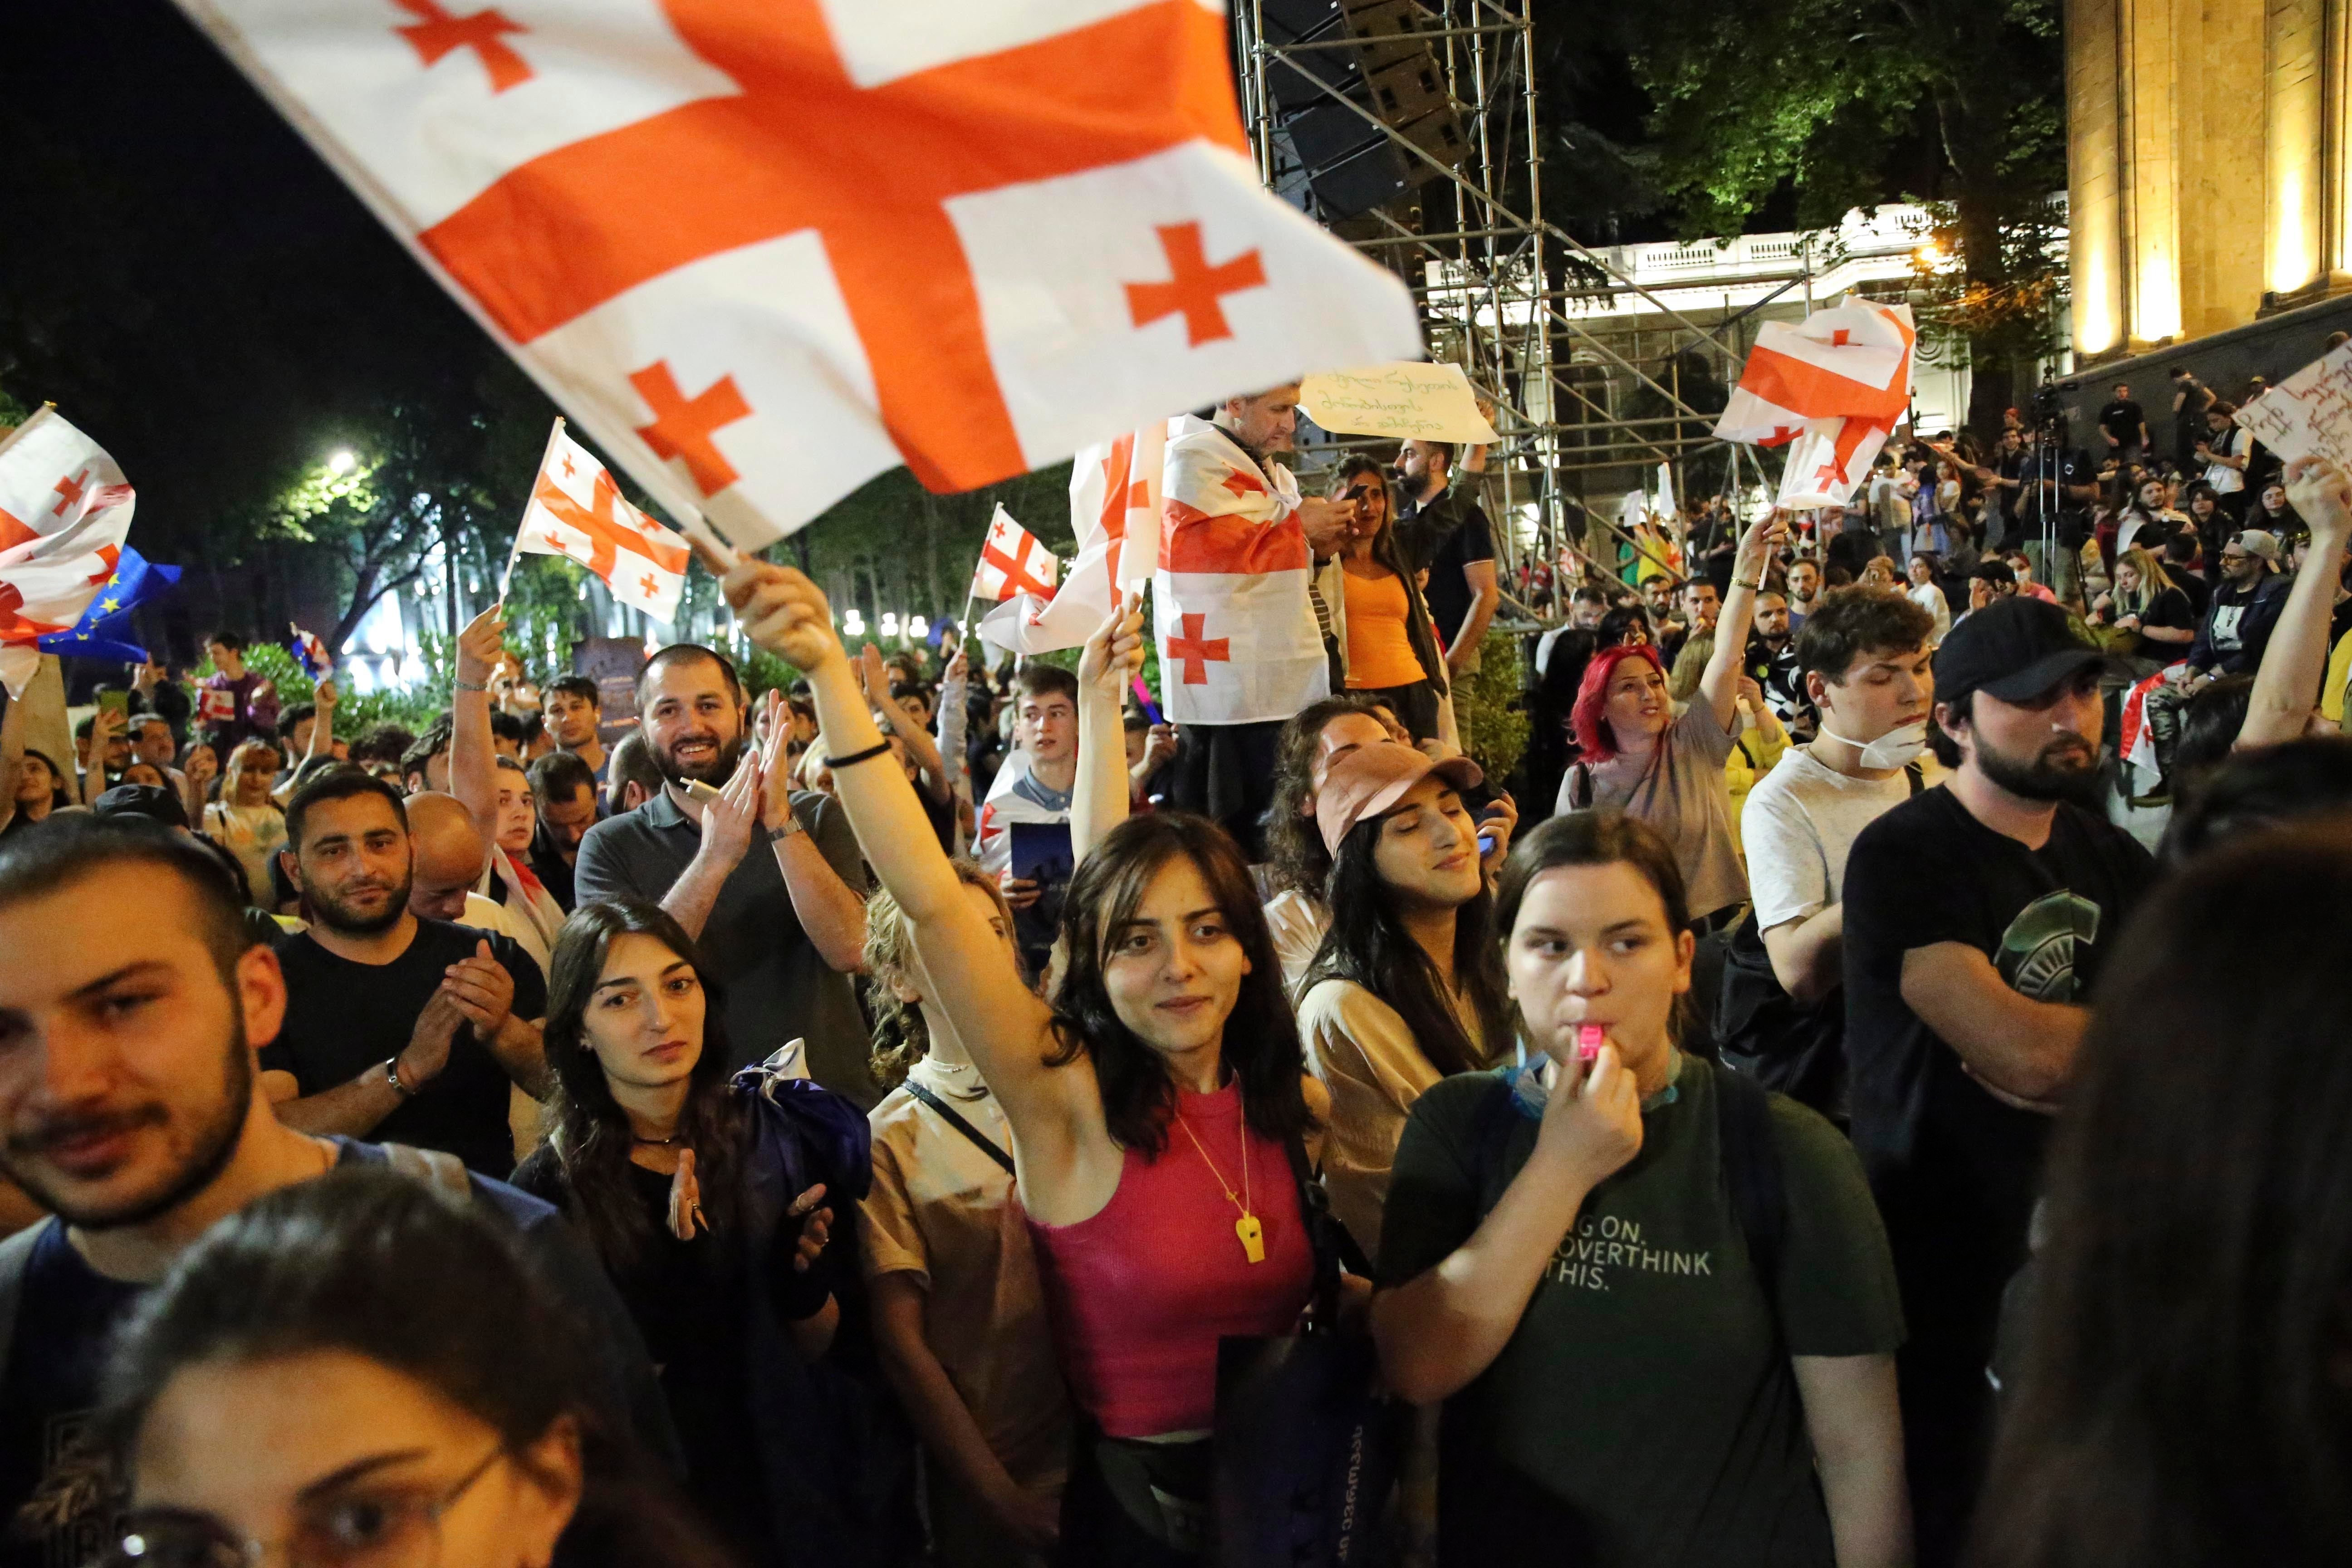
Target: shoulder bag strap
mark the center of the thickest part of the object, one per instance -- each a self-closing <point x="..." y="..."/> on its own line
<point x="980" y="1139"/>
<point x="1914" y="778"/>
<point x="16" y="1263"/>
<point x="1584" y="782"/>
<point x="1752" y="1167"/>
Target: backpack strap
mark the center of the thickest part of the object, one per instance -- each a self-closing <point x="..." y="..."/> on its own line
<point x="1915" y="777"/>
<point x="1582" y="787"/>
<point x="437" y="1168"/>
<point x="1751" y="1169"/>
<point x="948" y="1114"/>
<point x="16" y="1263"/>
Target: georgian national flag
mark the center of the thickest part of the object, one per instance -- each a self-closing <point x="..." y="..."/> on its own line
<point x="762" y="250"/>
<point x="1114" y="497"/>
<point x="1836" y="384"/>
<point x="65" y="511"/>
<point x="1012" y="561"/>
<point x="1238" y="640"/>
<point x="576" y="511"/>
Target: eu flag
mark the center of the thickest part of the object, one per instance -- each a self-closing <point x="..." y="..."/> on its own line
<point x="101" y="631"/>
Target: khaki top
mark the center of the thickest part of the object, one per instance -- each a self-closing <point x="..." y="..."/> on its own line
<point x="1360" y="1046"/>
<point x="945" y="1212"/>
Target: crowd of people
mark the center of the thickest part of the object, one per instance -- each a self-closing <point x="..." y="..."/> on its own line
<point x="1787" y="1120"/>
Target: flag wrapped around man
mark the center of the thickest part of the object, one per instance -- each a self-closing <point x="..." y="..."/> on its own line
<point x="761" y="250"/>
<point x="1831" y="387"/>
<point x="65" y="511"/>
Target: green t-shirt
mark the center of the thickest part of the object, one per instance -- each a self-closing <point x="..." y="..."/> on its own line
<point x="1645" y="1392"/>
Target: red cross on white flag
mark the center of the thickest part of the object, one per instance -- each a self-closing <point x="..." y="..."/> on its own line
<point x="576" y="511"/>
<point x="1835" y="383"/>
<point x="1012" y="561"/>
<point x="761" y="250"/>
<point x="1114" y="495"/>
<point x="65" y="509"/>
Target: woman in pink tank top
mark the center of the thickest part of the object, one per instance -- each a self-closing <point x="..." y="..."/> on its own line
<point x="1155" y="1106"/>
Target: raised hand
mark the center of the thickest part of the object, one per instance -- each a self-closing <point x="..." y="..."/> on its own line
<point x="326" y="698"/>
<point x="2321" y="496"/>
<point x="201" y="764"/>
<point x="481" y="644"/>
<point x="874" y="676"/>
<point x="481" y="989"/>
<point x="784" y="613"/>
<point x="685" y="1199"/>
<point x="1115" y="652"/>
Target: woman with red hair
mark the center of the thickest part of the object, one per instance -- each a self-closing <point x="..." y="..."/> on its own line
<point x="1635" y="753"/>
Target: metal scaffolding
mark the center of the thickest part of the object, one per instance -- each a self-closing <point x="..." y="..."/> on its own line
<point x="1502" y="290"/>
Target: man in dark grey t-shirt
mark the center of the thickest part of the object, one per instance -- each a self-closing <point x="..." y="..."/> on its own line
<point x="768" y="883"/>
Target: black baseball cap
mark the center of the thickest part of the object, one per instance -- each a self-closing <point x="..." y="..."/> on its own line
<point x="2015" y="648"/>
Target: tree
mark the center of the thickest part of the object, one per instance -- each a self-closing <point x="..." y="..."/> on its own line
<point x="1834" y="104"/>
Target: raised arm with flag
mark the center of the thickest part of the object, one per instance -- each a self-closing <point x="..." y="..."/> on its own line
<point x="65" y="509"/>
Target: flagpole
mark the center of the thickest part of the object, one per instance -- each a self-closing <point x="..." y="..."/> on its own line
<point x="514" y="554"/>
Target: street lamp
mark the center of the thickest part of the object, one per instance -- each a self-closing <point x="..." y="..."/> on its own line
<point x="890" y="623"/>
<point x="853" y="625"/>
<point x="918" y="629"/>
<point x="340" y="463"/>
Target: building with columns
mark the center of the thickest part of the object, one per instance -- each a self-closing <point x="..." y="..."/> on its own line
<point x="2207" y="165"/>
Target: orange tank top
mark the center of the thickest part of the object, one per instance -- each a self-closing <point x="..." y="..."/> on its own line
<point x="1379" y="654"/>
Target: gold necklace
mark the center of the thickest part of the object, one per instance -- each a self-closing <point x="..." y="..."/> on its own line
<point x="1252" y="1234"/>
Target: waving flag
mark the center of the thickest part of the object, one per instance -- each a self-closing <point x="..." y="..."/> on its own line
<point x="1012" y="561"/>
<point x="1114" y="489"/>
<point x="310" y="652"/>
<point x="576" y="511"/>
<point x="1836" y="384"/>
<point x="65" y="509"/>
<point x="105" y="630"/>
<point x="1238" y="639"/>
<point x="765" y="249"/>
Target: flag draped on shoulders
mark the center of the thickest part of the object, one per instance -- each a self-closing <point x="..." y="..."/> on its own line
<point x="65" y="511"/>
<point x="1238" y="639"/>
<point x="1835" y="384"/>
<point x="762" y="250"/>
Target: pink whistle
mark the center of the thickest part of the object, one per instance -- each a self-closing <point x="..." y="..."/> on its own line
<point x="1588" y="1038"/>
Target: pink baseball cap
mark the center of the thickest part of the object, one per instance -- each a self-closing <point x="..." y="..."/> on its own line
<point x="1368" y="780"/>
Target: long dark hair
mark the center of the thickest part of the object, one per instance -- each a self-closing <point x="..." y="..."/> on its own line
<point x="1261" y="1042"/>
<point x="1293" y="843"/>
<point x="370" y="1262"/>
<point x="2181" y="1398"/>
<point x="591" y="1131"/>
<point x="1369" y="945"/>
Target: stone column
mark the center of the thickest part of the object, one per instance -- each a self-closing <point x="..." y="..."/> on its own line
<point x="2148" y="64"/>
<point x="2095" y="234"/>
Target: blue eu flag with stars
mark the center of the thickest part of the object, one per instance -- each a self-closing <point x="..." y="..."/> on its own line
<point x="105" y="627"/>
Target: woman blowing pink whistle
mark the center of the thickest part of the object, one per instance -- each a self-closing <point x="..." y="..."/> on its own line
<point x="1158" y="1105"/>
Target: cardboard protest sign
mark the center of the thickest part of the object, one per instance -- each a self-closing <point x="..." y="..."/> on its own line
<point x="2308" y="415"/>
<point x="1410" y="402"/>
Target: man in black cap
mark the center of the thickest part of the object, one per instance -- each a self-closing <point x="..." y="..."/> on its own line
<point x="1975" y="914"/>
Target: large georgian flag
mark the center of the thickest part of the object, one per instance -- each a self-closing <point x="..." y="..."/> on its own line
<point x="763" y="249"/>
<point x="1114" y="496"/>
<point x="1836" y="384"/>
<point x="576" y="511"/>
<point x="1238" y="638"/>
<point x="65" y="511"/>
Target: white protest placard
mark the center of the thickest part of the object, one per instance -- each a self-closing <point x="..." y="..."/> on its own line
<point x="2308" y="415"/>
<point x="1408" y="401"/>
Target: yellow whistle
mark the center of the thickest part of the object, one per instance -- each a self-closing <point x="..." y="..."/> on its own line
<point x="1252" y="1237"/>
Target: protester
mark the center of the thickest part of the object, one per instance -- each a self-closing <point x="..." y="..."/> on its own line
<point x="1445" y="532"/>
<point x="564" y="807"/>
<point x="2229" y="638"/>
<point x="362" y="1372"/>
<point x="1924" y="594"/>
<point x="1656" y="1303"/>
<point x="2223" y="449"/>
<point x="31" y="785"/>
<point x="711" y="1199"/>
<point x="572" y="709"/>
<point x="2179" y="1400"/>
<point x="1380" y="625"/>
<point x="1772" y="664"/>
<point x="781" y="928"/>
<point x="1635" y="753"/>
<point x="130" y="1109"/>
<point x="959" y="1313"/>
<point x="1963" y="1008"/>
<point x="1225" y="504"/>
<point x="1166" y="1076"/>
<point x="2149" y="612"/>
<point x="152" y="743"/>
<point x="632" y="777"/>
<point x="1865" y="656"/>
<point x="1804" y="591"/>
<point x="403" y="1027"/>
<point x="447" y="856"/>
<point x="425" y="765"/>
<point x="1407" y="986"/>
<point x="2123" y="426"/>
<point x="1299" y="862"/>
<point x="247" y="822"/>
<point x="1035" y="789"/>
<point x="233" y="704"/>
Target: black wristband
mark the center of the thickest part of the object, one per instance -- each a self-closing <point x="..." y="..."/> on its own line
<point x="851" y="760"/>
<point x="799" y="1293"/>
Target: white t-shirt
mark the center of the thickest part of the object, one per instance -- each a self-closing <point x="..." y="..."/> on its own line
<point x="1797" y="824"/>
<point x="1930" y="598"/>
<point x="2221" y="476"/>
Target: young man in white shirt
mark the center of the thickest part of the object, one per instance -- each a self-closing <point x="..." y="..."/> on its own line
<point x="1865" y="663"/>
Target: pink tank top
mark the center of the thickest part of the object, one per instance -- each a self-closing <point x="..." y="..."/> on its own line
<point x="1142" y="1293"/>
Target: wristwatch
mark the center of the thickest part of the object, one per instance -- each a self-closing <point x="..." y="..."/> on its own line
<point x="391" y="1077"/>
<point x="790" y="826"/>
